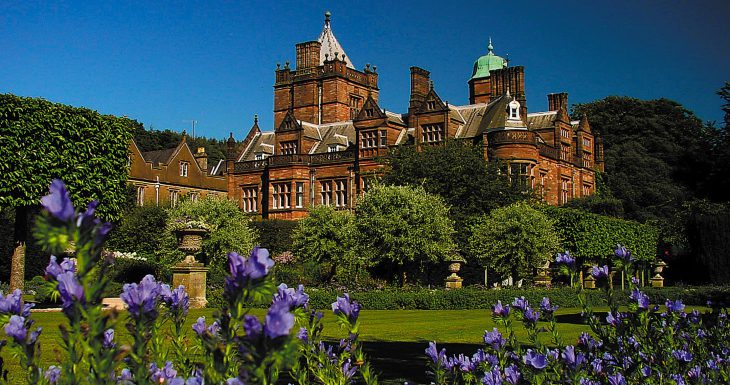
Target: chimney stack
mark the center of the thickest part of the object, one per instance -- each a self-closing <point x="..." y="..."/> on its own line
<point x="420" y="84"/>
<point x="308" y="54"/>
<point x="557" y="101"/>
<point x="202" y="158"/>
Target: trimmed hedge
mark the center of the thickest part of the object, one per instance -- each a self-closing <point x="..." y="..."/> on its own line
<point x="473" y="298"/>
<point x="275" y="234"/>
<point x="594" y="237"/>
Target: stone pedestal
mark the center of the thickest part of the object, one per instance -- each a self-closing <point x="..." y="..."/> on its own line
<point x="192" y="275"/>
<point x="543" y="277"/>
<point x="589" y="282"/>
<point x="657" y="280"/>
<point x="453" y="281"/>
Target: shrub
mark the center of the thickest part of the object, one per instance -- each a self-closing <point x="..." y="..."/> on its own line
<point x="275" y="234"/>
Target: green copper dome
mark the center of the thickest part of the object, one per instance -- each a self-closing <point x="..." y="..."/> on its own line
<point x="488" y="62"/>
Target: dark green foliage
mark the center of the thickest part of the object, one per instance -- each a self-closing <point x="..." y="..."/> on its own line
<point x="709" y="239"/>
<point x="458" y="172"/>
<point x="40" y="141"/>
<point x="594" y="237"/>
<point x="656" y="153"/>
<point x="42" y="290"/>
<point x="151" y="140"/>
<point x="275" y="234"/>
<point x="598" y="204"/>
<point x="128" y="270"/>
<point x="36" y="259"/>
<point x="140" y="230"/>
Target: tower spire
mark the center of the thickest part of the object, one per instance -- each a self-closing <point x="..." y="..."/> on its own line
<point x="490" y="47"/>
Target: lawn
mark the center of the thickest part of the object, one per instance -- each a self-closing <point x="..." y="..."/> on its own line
<point x="395" y="340"/>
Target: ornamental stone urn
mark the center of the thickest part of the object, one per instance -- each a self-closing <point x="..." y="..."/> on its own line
<point x="453" y="281"/>
<point x="657" y="280"/>
<point x="189" y="272"/>
<point x="543" y="277"/>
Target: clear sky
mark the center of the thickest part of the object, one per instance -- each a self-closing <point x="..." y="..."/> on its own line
<point x="164" y="63"/>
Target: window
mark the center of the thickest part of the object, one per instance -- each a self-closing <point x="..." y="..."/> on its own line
<point x="565" y="133"/>
<point x="184" y="168"/>
<point x="250" y="199"/>
<point x="341" y="193"/>
<point x="194" y="197"/>
<point x="368" y="139"/>
<point x="383" y="138"/>
<point x="174" y="195"/>
<point x="369" y="112"/>
<point x="355" y="104"/>
<point x="288" y="148"/>
<point x="565" y="153"/>
<point x="326" y="192"/>
<point x="333" y="148"/>
<point x="513" y="114"/>
<point x="300" y="195"/>
<point x="564" y="190"/>
<point x="281" y="195"/>
<point x="586" y="143"/>
<point x="140" y="195"/>
<point x="586" y="190"/>
<point x="543" y="182"/>
<point x="259" y="156"/>
<point x="367" y="182"/>
<point x="433" y="133"/>
<point x="520" y="174"/>
<point x="431" y="104"/>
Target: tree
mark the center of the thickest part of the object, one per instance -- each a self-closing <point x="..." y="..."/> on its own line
<point x="40" y="141"/>
<point x="326" y="236"/>
<point x="230" y="230"/>
<point x="140" y="230"/>
<point x="513" y="240"/>
<point x="458" y="172"/>
<point x="403" y="226"/>
<point x="656" y="153"/>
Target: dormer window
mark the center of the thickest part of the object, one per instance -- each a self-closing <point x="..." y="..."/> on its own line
<point x="333" y="148"/>
<point x="514" y="110"/>
<point x="431" y="104"/>
<point x="259" y="156"/>
<point x="369" y="112"/>
<point x="288" y="148"/>
<point x="184" y="169"/>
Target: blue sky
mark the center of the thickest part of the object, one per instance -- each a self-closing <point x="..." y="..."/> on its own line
<point x="165" y="63"/>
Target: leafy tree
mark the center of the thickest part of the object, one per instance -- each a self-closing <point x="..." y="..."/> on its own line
<point x="404" y="226"/>
<point x="655" y="153"/>
<point x="151" y="140"/>
<point x="458" y="172"/>
<point x="40" y="141"/>
<point x="327" y="236"/>
<point x="141" y="230"/>
<point x="718" y="185"/>
<point x="513" y="240"/>
<point x="230" y="230"/>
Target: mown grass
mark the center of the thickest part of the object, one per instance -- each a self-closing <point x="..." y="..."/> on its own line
<point x="386" y="329"/>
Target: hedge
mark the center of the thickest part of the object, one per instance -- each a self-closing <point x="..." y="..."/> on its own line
<point x="275" y="234"/>
<point x="594" y="237"/>
<point x="474" y="298"/>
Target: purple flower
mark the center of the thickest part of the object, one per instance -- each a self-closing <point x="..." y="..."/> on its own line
<point x="597" y="365"/>
<point x="101" y="232"/>
<point x="617" y="379"/>
<point x="565" y="259"/>
<point x="252" y="326"/>
<point x="13" y="304"/>
<point x="695" y="372"/>
<point x="678" y="379"/>
<point x="675" y="306"/>
<point x="54" y="269"/>
<point x="176" y="300"/>
<point x="512" y="375"/>
<point x="436" y="356"/>
<point x="348" y="370"/>
<point x="199" y="326"/>
<point x="142" y="299"/>
<point x="343" y="305"/>
<point x="125" y="376"/>
<point x="303" y="335"/>
<point x="585" y="381"/>
<point x="641" y="299"/>
<point x="493" y="377"/>
<point x="531" y="315"/>
<point x="536" y="360"/>
<point x="87" y="219"/>
<point x="278" y="320"/>
<point x="70" y="289"/>
<point x="645" y="371"/>
<point x="214" y="328"/>
<point x="57" y="202"/>
<point x="53" y="374"/>
<point x="294" y="298"/>
<point x="242" y="270"/>
<point x="16" y="329"/>
<point x="622" y="253"/>
<point x="108" y="339"/>
<point x="494" y="338"/>
<point x="234" y="381"/>
<point x="520" y="303"/>
<point x="259" y="263"/>
<point x="500" y="310"/>
<point x="682" y="355"/>
<point x="162" y="375"/>
<point x="547" y="307"/>
<point x="599" y="273"/>
<point x="463" y="362"/>
<point x="571" y="358"/>
<point x="587" y="340"/>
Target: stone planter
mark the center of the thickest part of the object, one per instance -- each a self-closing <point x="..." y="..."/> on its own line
<point x="453" y="281"/>
<point x="189" y="272"/>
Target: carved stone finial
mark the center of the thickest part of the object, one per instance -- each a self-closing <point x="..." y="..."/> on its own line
<point x="278" y="66"/>
<point x="256" y="118"/>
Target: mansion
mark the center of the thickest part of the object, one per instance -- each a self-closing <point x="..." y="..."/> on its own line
<point x="329" y="130"/>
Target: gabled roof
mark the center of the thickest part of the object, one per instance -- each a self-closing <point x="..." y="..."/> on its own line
<point x="471" y="116"/>
<point x="370" y="105"/>
<point x="158" y="157"/>
<point x="432" y="98"/>
<point x="330" y="45"/>
<point x="540" y="120"/>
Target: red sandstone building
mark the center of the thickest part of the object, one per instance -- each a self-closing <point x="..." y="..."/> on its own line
<point x="329" y="129"/>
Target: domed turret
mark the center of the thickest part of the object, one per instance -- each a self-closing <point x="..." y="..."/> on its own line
<point x="488" y="62"/>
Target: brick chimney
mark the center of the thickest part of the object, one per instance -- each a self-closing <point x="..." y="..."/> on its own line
<point x="420" y="83"/>
<point x="557" y="101"/>
<point x="308" y="54"/>
<point x="202" y="158"/>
